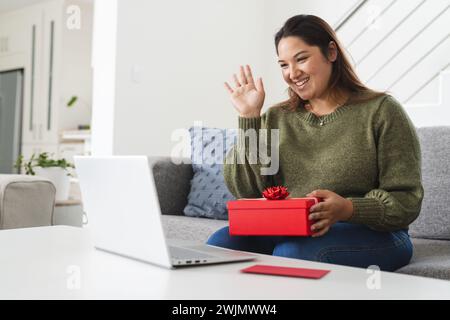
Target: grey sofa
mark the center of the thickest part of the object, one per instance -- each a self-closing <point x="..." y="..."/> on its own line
<point x="430" y="232"/>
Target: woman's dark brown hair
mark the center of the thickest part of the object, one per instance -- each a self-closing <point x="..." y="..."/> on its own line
<point x="316" y="32"/>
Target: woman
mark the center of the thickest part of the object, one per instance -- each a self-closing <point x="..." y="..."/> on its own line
<point x="339" y="140"/>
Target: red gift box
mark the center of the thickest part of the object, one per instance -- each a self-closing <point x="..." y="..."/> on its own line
<point x="263" y="217"/>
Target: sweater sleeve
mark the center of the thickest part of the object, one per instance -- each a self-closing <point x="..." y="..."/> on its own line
<point x="397" y="201"/>
<point x="243" y="169"/>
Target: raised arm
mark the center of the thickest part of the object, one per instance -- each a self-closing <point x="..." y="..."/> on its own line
<point x="242" y="169"/>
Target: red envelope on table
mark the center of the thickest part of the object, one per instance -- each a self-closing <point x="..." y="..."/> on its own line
<point x="286" y="271"/>
<point x="262" y="217"/>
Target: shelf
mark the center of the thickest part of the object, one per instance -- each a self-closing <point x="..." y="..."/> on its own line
<point x="76" y="135"/>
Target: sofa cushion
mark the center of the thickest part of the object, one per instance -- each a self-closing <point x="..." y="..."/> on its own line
<point x="190" y="228"/>
<point x="434" y="219"/>
<point x="26" y="201"/>
<point x="172" y="176"/>
<point x="431" y="258"/>
<point x="208" y="194"/>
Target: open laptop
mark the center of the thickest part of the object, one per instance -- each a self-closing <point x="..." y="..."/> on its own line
<point x="120" y="198"/>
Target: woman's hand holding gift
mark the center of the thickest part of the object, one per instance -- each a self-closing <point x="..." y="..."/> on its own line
<point x="334" y="208"/>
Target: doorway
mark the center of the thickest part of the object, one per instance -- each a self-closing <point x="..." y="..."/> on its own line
<point x="11" y="104"/>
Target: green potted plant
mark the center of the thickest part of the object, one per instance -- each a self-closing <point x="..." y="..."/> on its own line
<point x="56" y="170"/>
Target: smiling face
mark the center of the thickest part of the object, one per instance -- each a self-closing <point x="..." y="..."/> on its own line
<point x="305" y="69"/>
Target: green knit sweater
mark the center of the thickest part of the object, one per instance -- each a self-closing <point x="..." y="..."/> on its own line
<point x="367" y="152"/>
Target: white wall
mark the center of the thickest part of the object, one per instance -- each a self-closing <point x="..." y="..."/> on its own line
<point x="76" y="60"/>
<point x="182" y="52"/>
<point x="104" y="76"/>
<point x="173" y="57"/>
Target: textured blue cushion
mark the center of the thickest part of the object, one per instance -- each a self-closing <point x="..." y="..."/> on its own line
<point x="209" y="194"/>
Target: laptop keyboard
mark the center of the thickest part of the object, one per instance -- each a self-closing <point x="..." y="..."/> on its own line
<point x="183" y="253"/>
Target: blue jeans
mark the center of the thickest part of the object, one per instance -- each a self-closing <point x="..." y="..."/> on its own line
<point x="347" y="244"/>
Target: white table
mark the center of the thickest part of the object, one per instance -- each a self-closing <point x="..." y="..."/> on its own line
<point x="60" y="262"/>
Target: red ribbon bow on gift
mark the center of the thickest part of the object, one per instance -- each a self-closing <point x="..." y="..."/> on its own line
<point x="275" y="193"/>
